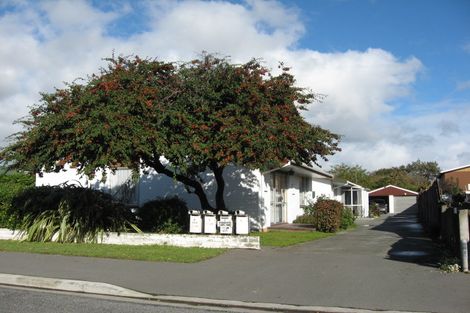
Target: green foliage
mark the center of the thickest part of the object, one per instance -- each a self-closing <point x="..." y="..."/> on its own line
<point x="347" y="218"/>
<point x="10" y="186"/>
<point x="305" y="219"/>
<point x="308" y="216"/>
<point x="393" y="176"/>
<point x="450" y="187"/>
<point x="309" y="209"/>
<point x="448" y="261"/>
<point x="201" y="115"/>
<point x="415" y="176"/>
<point x="374" y="210"/>
<point x="69" y="214"/>
<point x="353" y="173"/>
<point x="164" y="215"/>
<point x="423" y="173"/>
<point x="327" y="215"/>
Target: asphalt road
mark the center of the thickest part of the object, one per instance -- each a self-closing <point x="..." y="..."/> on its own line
<point x="26" y="300"/>
<point x="384" y="264"/>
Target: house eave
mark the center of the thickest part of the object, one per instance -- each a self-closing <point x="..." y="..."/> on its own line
<point x="340" y="183"/>
<point x="291" y="167"/>
<point x="453" y="169"/>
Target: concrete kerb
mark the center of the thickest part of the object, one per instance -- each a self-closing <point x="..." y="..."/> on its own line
<point x="69" y="285"/>
<point x="116" y="291"/>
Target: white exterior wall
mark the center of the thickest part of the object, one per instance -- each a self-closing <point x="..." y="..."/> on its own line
<point x="242" y="188"/>
<point x="264" y="201"/>
<point x="322" y="187"/>
<point x="70" y="176"/>
<point x="247" y="190"/>
<point x="114" y="184"/>
<point x="365" y="202"/>
<point x="242" y="191"/>
<point x="391" y="204"/>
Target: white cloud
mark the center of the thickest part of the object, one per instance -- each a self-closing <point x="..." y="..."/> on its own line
<point x="463" y="85"/>
<point x="358" y="85"/>
<point x="373" y="155"/>
<point x="466" y="47"/>
<point x="46" y="43"/>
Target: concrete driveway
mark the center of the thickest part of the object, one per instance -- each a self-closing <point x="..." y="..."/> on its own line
<point x="384" y="264"/>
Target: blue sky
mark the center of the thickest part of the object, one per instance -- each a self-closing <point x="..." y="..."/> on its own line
<point x="434" y="31"/>
<point x="396" y="73"/>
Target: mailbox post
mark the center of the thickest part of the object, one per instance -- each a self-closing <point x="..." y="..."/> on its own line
<point x="225" y="222"/>
<point x="463" y="229"/>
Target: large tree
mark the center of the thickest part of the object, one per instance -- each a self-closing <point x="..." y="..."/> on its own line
<point x="181" y="120"/>
<point x="416" y="175"/>
<point x="353" y="173"/>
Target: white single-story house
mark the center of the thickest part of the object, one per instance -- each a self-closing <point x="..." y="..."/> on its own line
<point x="271" y="197"/>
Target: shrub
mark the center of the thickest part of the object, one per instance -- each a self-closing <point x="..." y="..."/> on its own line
<point x="305" y="219"/>
<point x="327" y="214"/>
<point x="10" y="186"/>
<point x="309" y="209"/>
<point x="68" y="214"/>
<point x="164" y="215"/>
<point x="374" y="210"/>
<point x="347" y="218"/>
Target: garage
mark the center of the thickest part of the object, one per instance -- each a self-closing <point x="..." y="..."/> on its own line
<point x="405" y="203"/>
<point x="399" y="200"/>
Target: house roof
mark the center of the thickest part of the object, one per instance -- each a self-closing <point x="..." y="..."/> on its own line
<point x="454" y="169"/>
<point x="312" y="169"/>
<point x="302" y="169"/>
<point x="392" y="190"/>
<point x="338" y="183"/>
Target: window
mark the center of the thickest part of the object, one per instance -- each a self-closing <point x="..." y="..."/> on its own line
<point x="347" y="196"/>
<point x="306" y="193"/>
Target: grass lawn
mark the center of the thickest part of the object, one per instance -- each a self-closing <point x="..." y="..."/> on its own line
<point x="282" y="238"/>
<point x="144" y="253"/>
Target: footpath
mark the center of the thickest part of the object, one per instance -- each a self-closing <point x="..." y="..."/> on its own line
<point x="384" y="264"/>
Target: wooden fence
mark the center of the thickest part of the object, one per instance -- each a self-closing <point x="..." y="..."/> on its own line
<point x="440" y="221"/>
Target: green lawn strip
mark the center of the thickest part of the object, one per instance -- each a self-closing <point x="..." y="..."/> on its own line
<point x="143" y="253"/>
<point x="282" y="238"/>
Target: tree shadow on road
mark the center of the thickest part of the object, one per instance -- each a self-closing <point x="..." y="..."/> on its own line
<point x="413" y="246"/>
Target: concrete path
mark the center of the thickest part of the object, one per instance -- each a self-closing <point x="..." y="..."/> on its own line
<point x="385" y="264"/>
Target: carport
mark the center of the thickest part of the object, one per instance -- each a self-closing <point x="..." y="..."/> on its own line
<point x="399" y="199"/>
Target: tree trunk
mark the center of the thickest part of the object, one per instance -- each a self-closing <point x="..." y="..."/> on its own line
<point x="219" y="178"/>
<point x="198" y="190"/>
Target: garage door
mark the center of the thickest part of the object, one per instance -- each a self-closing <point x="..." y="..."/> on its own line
<point x="405" y="203"/>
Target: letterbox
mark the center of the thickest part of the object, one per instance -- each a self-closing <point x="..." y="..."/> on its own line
<point x="195" y="222"/>
<point x="210" y="222"/>
<point x="225" y="222"/>
<point x="242" y="226"/>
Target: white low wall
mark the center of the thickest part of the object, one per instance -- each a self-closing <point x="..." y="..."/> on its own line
<point x="7" y="234"/>
<point x="199" y="241"/>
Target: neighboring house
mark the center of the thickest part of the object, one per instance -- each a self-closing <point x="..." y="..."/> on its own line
<point x="459" y="177"/>
<point x="398" y="199"/>
<point x="352" y="196"/>
<point x="271" y="197"/>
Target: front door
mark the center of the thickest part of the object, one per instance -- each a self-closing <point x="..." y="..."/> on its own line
<point x="278" y="198"/>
